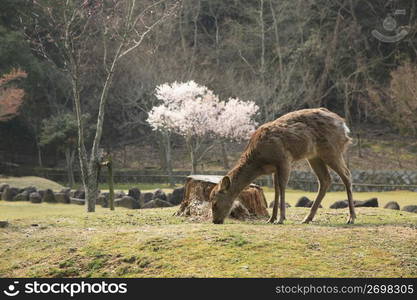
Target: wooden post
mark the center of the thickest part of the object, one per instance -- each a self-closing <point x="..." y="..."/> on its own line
<point x="110" y="179"/>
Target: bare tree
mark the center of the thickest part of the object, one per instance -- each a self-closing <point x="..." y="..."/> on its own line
<point x="66" y="34"/>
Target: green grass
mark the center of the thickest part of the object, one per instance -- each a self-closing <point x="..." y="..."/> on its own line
<point x="67" y="242"/>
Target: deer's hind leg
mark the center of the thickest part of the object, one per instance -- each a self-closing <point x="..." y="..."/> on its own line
<point x="320" y="169"/>
<point x="339" y="166"/>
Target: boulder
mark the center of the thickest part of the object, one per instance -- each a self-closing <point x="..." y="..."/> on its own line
<point x="128" y="202"/>
<point x="304" y="202"/>
<point x="410" y="208"/>
<point x="271" y="204"/>
<point x="373" y="202"/>
<point x="146" y="197"/>
<point x="339" y="204"/>
<point x="4" y="224"/>
<point x="239" y="211"/>
<point x="157" y="203"/>
<point x="392" y="205"/>
<point x="134" y="193"/>
<point x="42" y="193"/>
<point x="35" y="197"/>
<point x="119" y="194"/>
<point x="176" y="196"/>
<point x="3" y="186"/>
<point x="77" y="201"/>
<point x="9" y="193"/>
<point x="23" y="196"/>
<point x="160" y="194"/>
<point x="79" y="194"/>
<point x="103" y="199"/>
<point x="49" y="196"/>
<point x="28" y="189"/>
<point x="66" y="191"/>
<point x="62" y="197"/>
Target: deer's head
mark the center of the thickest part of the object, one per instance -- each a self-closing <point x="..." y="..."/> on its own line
<point x="221" y="200"/>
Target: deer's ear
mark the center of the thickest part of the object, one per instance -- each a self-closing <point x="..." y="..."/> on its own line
<point x="225" y="183"/>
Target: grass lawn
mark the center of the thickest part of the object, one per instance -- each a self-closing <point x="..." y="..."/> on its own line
<point x="58" y="240"/>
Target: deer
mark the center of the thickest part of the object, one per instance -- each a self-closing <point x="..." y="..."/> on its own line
<point x="317" y="135"/>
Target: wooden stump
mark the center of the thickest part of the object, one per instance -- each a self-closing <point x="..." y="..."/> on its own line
<point x="196" y="201"/>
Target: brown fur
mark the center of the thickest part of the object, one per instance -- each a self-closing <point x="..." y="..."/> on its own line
<point x="317" y="135"/>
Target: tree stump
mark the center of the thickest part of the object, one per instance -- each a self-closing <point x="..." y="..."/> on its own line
<point x="196" y="202"/>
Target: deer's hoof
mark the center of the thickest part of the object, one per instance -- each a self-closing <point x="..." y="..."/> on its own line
<point x="271" y="220"/>
<point x="280" y="221"/>
<point x="351" y="220"/>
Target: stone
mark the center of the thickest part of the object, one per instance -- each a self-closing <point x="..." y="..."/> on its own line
<point x="304" y="202"/>
<point x="119" y="194"/>
<point x="157" y="203"/>
<point x="410" y="208"/>
<point x="29" y="189"/>
<point x="35" y="197"/>
<point x="103" y="199"/>
<point x="3" y="186"/>
<point x="176" y="196"/>
<point x="127" y="202"/>
<point x="42" y="193"/>
<point x="66" y="191"/>
<point x="79" y="194"/>
<point x="9" y="193"/>
<point x="77" y="201"/>
<point x="392" y="205"/>
<point x="62" y="197"/>
<point x="147" y="197"/>
<point x="271" y="204"/>
<point x="4" y="224"/>
<point x="23" y="196"/>
<point x="49" y="196"/>
<point x="134" y="193"/>
<point x="160" y="194"/>
<point x="239" y="211"/>
<point x="339" y="204"/>
<point x="373" y="202"/>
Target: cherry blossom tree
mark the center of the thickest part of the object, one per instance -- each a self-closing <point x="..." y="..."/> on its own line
<point x="196" y="113"/>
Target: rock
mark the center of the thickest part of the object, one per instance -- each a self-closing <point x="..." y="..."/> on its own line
<point x="4" y="224"/>
<point x="339" y="204"/>
<point x="160" y="194"/>
<point x="176" y="196"/>
<point x="392" y="205"/>
<point x="156" y="203"/>
<point x="77" y="201"/>
<point x="29" y="189"/>
<point x="3" y="186"/>
<point x="62" y="197"/>
<point x="147" y="197"/>
<point x="9" y="193"/>
<point x="373" y="202"/>
<point x="49" y="196"/>
<point x="239" y="211"/>
<point x="271" y="204"/>
<point x="304" y="202"/>
<point x="23" y="196"/>
<point x="66" y="191"/>
<point x="42" y="193"/>
<point x="79" y="194"/>
<point x="35" y="197"/>
<point x="410" y="208"/>
<point x="128" y="202"/>
<point x="103" y="199"/>
<point x="119" y="194"/>
<point x="134" y="193"/>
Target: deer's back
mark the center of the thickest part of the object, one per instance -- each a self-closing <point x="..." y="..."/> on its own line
<point x="301" y="134"/>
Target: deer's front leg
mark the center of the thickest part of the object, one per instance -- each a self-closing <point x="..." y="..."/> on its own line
<point x="273" y="218"/>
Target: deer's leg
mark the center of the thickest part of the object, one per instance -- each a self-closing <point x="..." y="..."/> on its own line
<point x="339" y="166"/>
<point x="276" y="200"/>
<point x="284" y="174"/>
<point x="320" y="169"/>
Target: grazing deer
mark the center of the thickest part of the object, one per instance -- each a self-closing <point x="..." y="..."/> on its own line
<point x="318" y="135"/>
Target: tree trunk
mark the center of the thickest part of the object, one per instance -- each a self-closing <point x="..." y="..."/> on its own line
<point x="38" y="147"/>
<point x="69" y="157"/>
<point x="91" y="185"/>
<point x="111" y="185"/>
<point x="225" y="158"/>
<point x="168" y="160"/>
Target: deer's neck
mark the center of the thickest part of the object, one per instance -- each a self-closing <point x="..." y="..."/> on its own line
<point x="241" y="176"/>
